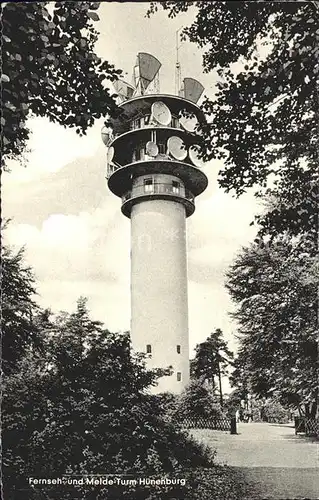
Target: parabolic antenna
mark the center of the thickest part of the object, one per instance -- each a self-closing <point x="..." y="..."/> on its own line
<point x="151" y="148"/>
<point x="160" y="113"/>
<point x="176" y="148"/>
<point x="110" y="154"/>
<point x="192" y="89"/>
<point x="106" y="134"/>
<point x="188" y="123"/>
<point x="194" y="156"/>
<point x="124" y="90"/>
<point x="145" y="70"/>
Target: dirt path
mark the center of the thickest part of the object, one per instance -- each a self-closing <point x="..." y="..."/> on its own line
<point x="280" y="464"/>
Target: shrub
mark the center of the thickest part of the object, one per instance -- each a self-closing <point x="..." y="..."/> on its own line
<point x="197" y="400"/>
<point x="274" y="411"/>
<point x="169" y="404"/>
<point x="87" y="412"/>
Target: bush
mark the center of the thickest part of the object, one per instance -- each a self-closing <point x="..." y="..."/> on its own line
<point x="273" y="411"/>
<point x="169" y="404"/>
<point x="87" y="412"/>
<point x="197" y="400"/>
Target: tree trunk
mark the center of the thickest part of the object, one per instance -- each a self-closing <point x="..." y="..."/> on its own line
<point x="220" y="386"/>
<point x="213" y="383"/>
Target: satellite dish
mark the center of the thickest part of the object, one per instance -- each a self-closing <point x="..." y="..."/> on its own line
<point x="151" y="149"/>
<point x="110" y="154"/>
<point x="124" y="90"/>
<point x="106" y="135"/>
<point x="188" y="123"/>
<point x="145" y="70"/>
<point x="192" y="89"/>
<point x="160" y="114"/>
<point x="176" y="148"/>
<point x="194" y="152"/>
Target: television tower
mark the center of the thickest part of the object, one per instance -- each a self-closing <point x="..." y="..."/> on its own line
<point x="154" y="166"/>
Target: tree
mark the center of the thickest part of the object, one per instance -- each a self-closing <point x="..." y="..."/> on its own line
<point x="274" y="285"/>
<point x="212" y="359"/>
<point x="19" y="309"/>
<point x="50" y="69"/>
<point x="240" y="379"/>
<point x="263" y="118"/>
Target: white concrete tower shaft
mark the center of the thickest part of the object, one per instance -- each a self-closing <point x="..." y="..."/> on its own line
<point x="159" y="307"/>
<point x="153" y="165"/>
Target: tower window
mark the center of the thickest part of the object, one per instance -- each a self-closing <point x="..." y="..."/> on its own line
<point x="176" y="186"/>
<point x="178" y="349"/>
<point x="179" y="376"/>
<point x="148" y="349"/>
<point x="148" y="185"/>
<point x="161" y="148"/>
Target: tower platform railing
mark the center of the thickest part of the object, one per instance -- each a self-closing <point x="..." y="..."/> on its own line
<point x="159" y="190"/>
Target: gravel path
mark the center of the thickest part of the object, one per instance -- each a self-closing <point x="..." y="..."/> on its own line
<point x="280" y="464"/>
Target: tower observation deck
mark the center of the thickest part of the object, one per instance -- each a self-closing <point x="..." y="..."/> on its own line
<point x="154" y="166"/>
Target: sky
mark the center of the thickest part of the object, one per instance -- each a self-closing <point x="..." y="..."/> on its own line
<point x="76" y="238"/>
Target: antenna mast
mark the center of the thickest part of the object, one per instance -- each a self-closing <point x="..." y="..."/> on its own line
<point x="178" y="72"/>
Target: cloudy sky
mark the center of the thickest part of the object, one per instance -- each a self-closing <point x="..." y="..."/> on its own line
<point x="76" y="238"/>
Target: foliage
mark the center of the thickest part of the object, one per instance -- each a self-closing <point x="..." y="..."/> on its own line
<point x="239" y="378"/>
<point x="268" y="410"/>
<point x="19" y="310"/>
<point x="263" y="118"/>
<point x="217" y="483"/>
<point x="273" y="411"/>
<point x="197" y="400"/>
<point x="169" y="404"/>
<point x="83" y="409"/>
<point x="45" y="436"/>
<point x="275" y="287"/>
<point x="212" y="358"/>
<point x="50" y="69"/>
<point x="233" y="401"/>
